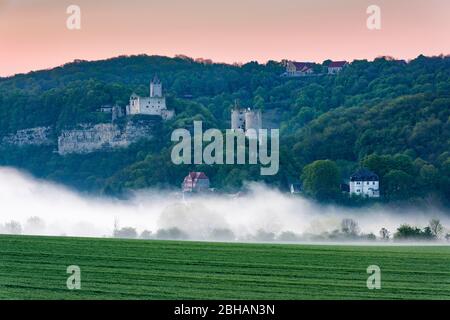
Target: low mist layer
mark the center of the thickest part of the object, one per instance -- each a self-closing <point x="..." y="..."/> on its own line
<point x="29" y="206"/>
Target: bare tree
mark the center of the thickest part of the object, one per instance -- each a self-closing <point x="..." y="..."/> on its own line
<point x="385" y="234"/>
<point x="350" y="227"/>
<point x="146" y="234"/>
<point x="436" y="228"/>
<point x="12" y="227"/>
<point x="125" y="233"/>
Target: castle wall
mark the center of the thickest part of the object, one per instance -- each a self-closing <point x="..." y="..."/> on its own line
<point x="133" y="107"/>
<point x="155" y="104"/>
<point x="152" y="106"/>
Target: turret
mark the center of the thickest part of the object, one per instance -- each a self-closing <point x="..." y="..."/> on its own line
<point x="155" y="87"/>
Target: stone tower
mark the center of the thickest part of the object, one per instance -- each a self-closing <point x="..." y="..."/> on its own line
<point x="155" y="88"/>
<point x="246" y="119"/>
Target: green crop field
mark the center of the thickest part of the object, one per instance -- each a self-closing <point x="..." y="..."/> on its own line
<point x="35" y="268"/>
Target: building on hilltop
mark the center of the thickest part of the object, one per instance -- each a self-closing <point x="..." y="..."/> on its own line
<point x="245" y="118"/>
<point x="298" y="69"/>
<point x="366" y="183"/>
<point x="195" y="182"/>
<point x="336" y="66"/>
<point x="155" y="104"/>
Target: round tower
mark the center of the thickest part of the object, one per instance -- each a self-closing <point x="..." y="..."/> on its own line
<point x="253" y="120"/>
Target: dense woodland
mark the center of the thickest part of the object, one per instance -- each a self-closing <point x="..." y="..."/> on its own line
<point x="390" y="116"/>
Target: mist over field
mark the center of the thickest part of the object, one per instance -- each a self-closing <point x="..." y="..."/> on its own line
<point x="35" y="207"/>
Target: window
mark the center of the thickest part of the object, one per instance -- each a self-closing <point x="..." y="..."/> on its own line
<point x="358" y="190"/>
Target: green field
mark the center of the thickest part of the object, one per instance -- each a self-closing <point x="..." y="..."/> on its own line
<point x="35" y="268"/>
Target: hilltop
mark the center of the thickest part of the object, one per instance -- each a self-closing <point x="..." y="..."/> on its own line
<point x="390" y="116"/>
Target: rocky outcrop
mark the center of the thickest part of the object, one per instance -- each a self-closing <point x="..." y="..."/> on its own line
<point x="85" y="138"/>
<point x="30" y="137"/>
<point x="89" y="138"/>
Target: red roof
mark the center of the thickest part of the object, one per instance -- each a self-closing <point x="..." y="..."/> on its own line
<point x="197" y="175"/>
<point x="337" y="64"/>
<point x="192" y="179"/>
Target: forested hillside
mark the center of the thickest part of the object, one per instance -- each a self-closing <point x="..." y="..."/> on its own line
<point x="390" y="116"/>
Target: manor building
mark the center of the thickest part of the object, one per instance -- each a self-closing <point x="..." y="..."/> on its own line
<point x="336" y="66"/>
<point x="365" y="183"/>
<point x="155" y="104"/>
<point x="299" y="69"/>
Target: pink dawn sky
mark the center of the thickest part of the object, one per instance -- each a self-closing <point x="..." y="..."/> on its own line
<point x="33" y="33"/>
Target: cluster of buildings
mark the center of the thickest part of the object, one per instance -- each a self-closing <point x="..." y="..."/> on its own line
<point x="301" y="69"/>
<point x="154" y="104"/>
<point x="363" y="182"/>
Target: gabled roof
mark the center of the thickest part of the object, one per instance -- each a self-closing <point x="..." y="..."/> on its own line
<point x="302" y="65"/>
<point x="337" y="64"/>
<point x="196" y="175"/>
<point x="364" y="174"/>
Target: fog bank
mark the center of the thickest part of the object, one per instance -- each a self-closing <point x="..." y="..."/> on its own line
<point x="42" y="208"/>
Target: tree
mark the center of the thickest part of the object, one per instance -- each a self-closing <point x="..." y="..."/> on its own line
<point x="436" y="228"/>
<point x="407" y="232"/>
<point x="146" y="234"/>
<point x="349" y="227"/>
<point x="378" y="164"/>
<point x="398" y="185"/>
<point x="385" y="234"/>
<point x="126" y="233"/>
<point x="429" y="175"/>
<point x="321" y="179"/>
<point x="12" y="227"/>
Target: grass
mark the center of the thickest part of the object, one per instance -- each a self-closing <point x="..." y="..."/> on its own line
<point x="35" y="268"/>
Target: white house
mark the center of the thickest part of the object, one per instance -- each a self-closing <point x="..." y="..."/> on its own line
<point x="155" y="104"/>
<point x="365" y="183"/>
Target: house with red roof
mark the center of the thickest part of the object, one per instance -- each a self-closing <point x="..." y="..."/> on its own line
<point x="336" y="66"/>
<point x="195" y="182"/>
